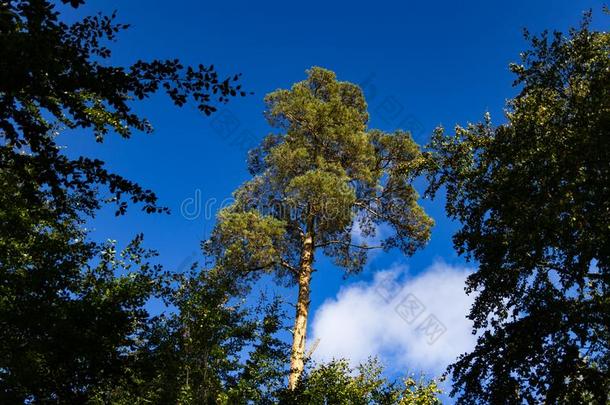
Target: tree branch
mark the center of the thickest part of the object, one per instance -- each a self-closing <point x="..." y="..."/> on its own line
<point x="339" y="242"/>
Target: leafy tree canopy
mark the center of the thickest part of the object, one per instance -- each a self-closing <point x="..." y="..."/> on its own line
<point x="533" y="198"/>
<point x="71" y="310"/>
<point x="213" y="349"/>
<point x="55" y="75"/>
<point x="338" y="383"/>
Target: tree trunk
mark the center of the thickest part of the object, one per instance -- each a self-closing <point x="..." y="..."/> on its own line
<point x="302" y="309"/>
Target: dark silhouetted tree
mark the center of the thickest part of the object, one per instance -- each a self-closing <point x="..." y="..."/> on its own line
<point x="70" y="310"/>
<point x="533" y="197"/>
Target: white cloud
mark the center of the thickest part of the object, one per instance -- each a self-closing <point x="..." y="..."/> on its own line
<point x="413" y="324"/>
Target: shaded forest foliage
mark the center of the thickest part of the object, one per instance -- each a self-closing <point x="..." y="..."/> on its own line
<point x="532" y="197"/>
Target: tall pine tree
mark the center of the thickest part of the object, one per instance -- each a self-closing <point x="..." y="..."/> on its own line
<point x="325" y="183"/>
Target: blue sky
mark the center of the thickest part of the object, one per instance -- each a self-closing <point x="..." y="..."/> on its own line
<point x="421" y="64"/>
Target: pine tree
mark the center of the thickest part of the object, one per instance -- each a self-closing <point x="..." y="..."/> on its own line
<point x="325" y="183"/>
